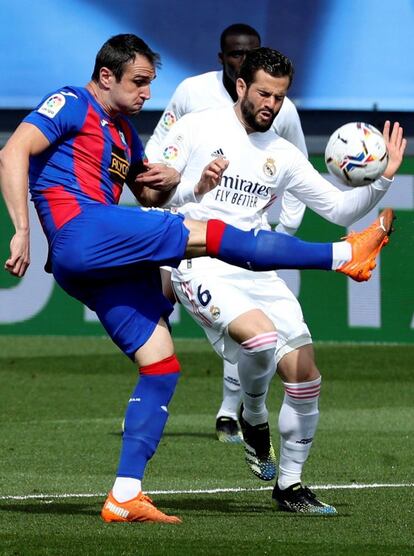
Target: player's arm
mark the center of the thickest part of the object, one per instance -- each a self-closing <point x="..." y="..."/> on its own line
<point x="169" y="191"/>
<point x="288" y="126"/>
<point x="346" y="207"/>
<point x="26" y="141"/>
<point x="153" y="183"/>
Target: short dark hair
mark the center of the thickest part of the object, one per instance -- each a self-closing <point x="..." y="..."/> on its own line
<point x="266" y="59"/>
<point x="118" y="51"/>
<point x="237" y="29"/>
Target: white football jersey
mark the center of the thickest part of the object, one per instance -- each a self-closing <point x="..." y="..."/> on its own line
<point x="261" y="167"/>
<point x="207" y="91"/>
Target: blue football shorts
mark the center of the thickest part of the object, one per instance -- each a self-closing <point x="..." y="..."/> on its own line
<point x="108" y="257"/>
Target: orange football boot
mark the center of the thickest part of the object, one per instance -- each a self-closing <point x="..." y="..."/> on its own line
<point x="366" y="246"/>
<point x="140" y="508"/>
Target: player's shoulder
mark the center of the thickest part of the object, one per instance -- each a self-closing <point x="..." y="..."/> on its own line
<point x="288" y="107"/>
<point x="199" y="89"/>
<point x="207" y="116"/>
<point x="201" y="80"/>
<point x="55" y="101"/>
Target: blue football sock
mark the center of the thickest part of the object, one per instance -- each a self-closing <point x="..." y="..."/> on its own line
<point x="265" y="250"/>
<point x="145" y="420"/>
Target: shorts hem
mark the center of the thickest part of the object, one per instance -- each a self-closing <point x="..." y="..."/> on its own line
<point x="291" y="345"/>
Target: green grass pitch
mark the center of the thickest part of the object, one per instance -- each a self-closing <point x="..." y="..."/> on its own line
<point x="61" y="406"/>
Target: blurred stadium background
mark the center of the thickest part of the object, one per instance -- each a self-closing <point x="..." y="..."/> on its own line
<point x="351" y="64"/>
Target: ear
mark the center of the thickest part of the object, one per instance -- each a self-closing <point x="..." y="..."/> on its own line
<point x="106" y="77"/>
<point x="220" y="57"/>
<point x="241" y="87"/>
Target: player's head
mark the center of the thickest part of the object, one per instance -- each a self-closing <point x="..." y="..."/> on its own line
<point x="264" y="78"/>
<point x="235" y="41"/>
<point x="124" y="68"/>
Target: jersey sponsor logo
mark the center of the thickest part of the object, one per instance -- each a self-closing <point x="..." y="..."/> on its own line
<point x="170" y="152"/>
<point x="52" y="105"/>
<point x="119" y="165"/>
<point x="236" y="183"/>
<point x="168" y="120"/>
<point x="235" y="190"/>
<point x="104" y="122"/>
<point x="269" y="167"/>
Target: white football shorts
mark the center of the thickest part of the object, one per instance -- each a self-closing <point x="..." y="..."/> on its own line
<point x="215" y="301"/>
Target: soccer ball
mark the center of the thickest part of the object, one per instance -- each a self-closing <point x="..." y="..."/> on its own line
<point x="356" y="153"/>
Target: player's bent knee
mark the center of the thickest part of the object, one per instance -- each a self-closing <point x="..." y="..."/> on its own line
<point x="249" y="325"/>
<point x="164" y="367"/>
<point x="299" y="365"/>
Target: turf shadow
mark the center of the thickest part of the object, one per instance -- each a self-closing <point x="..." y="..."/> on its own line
<point x="41" y="507"/>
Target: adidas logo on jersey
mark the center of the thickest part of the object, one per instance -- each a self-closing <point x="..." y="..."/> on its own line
<point x="218" y="153"/>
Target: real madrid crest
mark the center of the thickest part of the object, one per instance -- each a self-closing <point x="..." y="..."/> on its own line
<point x="215" y="312"/>
<point x="269" y="167"/>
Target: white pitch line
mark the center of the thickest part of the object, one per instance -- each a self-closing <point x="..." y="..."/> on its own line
<point x="353" y="486"/>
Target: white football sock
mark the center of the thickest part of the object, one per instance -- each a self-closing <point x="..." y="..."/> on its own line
<point x="256" y="369"/>
<point x="298" y="420"/>
<point x="341" y="253"/>
<point x="231" y="391"/>
<point x="126" y="488"/>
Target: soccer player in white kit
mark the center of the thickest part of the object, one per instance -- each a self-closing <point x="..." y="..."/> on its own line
<point x="217" y="89"/>
<point x="253" y="318"/>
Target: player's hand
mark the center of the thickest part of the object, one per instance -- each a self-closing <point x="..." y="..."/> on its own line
<point x="396" y="144"/>
<point x="19" y="258"/>
<point x="211" y="176"/>
<point x="158" y="176"/>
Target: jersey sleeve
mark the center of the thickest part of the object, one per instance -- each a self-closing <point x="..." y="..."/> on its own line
<point x="176" y="108"/>
<point x="175" y="151"/>
<point x="340" y="207"/>
<point x="59" y="113"/>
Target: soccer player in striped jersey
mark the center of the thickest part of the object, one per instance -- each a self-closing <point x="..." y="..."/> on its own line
<point x="74" y="152"/>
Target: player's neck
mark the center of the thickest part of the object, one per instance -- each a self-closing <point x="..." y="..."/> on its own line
<point x="239" y="115"/>
<point x="230" y="86"/>
<point x="99" y="95"/>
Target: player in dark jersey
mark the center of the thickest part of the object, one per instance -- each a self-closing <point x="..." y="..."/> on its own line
<point x="77" y="149"/>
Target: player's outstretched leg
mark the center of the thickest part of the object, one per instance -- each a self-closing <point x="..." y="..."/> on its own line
<point x="264" y="250"/>
<point x="300" y="499"/>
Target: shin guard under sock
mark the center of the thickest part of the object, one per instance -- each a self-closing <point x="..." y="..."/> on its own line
<point x="147" y="415"/>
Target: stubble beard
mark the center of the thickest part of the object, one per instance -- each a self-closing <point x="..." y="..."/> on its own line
<point x="247" y="110"/>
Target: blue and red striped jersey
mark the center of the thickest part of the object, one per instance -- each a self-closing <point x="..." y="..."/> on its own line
<point x="87" y="161"/>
